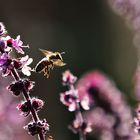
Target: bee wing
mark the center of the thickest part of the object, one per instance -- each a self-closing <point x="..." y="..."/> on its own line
<point x="59" y="63"/>
<point x="46" y="53"/>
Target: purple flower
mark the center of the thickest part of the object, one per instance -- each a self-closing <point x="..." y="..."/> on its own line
<point x="109" y="113"/>
<point x="5" y="64"/>
<point x="137" y="83"/>
<point x="17" y="87"/>
<point x="28" y="84"/>
<point x="11" y="66"/>
<point x="23" y="64"/>
<point x="69" y="99"/>
<point x="17" y="44"/>
<point x="11" y="122"/>
<point x="24" y="108"/>
<point x="136" y="121"/>
<point x="130" y="10"/>
<point x="37" y="103"/>
<point x="35" y="127"/>
<point x="2" y="46"/>
<point x="77" y="126"/>
<point x="2" y="29"/>
<point x="68" y="78"/>
<point x="72" y="100"/>
<point x="8" y="44"/>
<point x="26" y="70"/>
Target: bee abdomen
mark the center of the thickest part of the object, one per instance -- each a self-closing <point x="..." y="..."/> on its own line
<point x="41" y="65"/>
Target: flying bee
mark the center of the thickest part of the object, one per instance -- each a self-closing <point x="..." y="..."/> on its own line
<point x="50" y="60"/>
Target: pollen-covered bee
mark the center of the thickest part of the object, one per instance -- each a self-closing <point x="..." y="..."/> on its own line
<point x="50" y="60"/>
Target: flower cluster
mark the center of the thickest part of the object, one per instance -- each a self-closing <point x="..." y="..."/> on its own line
<point x="10" y="121"/>
<point x="130" y="11"/>
<point x="104" y="109"/>
<point x="17" y="86"/>
<point x="137" y="83"/>
<point x="7" y="63"/>
<point x="137" y="121"/>
<point x="71" y="99"/>
<point x="35" y="127"/>
<point x="83" y="126"/>
<point x="109" y="114"/>
<point x="11" y="66"/>
<point x="24" y="107"/>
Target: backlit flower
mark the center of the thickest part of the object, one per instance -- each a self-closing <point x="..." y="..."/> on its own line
<point x="2" y="29"/>
<point x="24" y="108"/>
<point x="17" y="44"/>
<point x="17" y="87"/>
<point x="108" y="112"/>
<point x="5" y="64"/>
<point x="37" y="103"/>
<point x="69" y="99"/>
<point x="77" y="126"/>
<point x="35" y="127"/>
<point x="68" y="78"/>
<point x="23" y="64"/>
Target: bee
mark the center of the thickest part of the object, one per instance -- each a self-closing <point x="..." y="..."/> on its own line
<point x="50" y="60"/>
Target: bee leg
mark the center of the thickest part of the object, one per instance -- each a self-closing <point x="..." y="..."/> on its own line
<point x="47" y="71"/>
<point x="51" y="65"/>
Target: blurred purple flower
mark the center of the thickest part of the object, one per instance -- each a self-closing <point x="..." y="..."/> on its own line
<point x="68" y="78"/>
<point x="130" y="10"/>
<point x="77" y="126"/>
<point x="137" y="84"/>
<point x="69" y="99"/>
<point x="136" y="121"/>
<point x="109" y="113"/>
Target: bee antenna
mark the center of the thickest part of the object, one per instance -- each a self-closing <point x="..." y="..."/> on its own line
<point x="62" y="52"/>
<point x="41" y="49"/>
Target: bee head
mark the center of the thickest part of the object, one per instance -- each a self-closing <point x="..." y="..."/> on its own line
<point x="56" y="56"/>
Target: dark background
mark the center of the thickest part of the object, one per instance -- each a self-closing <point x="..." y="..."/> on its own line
<point x="90" y="34"/>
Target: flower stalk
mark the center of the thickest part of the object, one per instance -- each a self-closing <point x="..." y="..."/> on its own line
<point x="10" y="66"/>
<point x="78" y="113"/>
<point x="34" y="114"/>
<point x="72" y="100"/>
